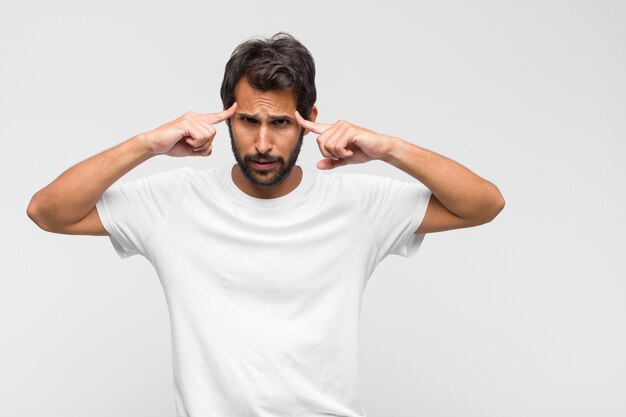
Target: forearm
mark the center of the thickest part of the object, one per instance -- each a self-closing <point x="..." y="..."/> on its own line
<point x="460" y="190"/>
<point x="75" y="192"/>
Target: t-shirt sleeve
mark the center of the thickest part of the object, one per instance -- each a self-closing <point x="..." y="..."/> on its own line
<point x="393" y="209"/>
<point x="131" y="212"/>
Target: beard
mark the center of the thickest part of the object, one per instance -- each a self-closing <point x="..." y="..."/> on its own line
<point x="270" y="176"/>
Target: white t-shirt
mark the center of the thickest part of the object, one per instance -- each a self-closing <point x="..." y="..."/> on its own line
<point x="264" y="295"/>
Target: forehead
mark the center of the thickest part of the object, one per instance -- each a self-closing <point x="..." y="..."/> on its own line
<point x="250" y="99"/>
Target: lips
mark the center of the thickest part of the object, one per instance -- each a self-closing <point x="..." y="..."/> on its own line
<point x="263" y="164"/>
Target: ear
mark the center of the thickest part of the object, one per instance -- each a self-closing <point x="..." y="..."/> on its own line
<point x="312" y="117"/>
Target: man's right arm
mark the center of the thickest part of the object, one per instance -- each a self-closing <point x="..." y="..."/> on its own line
<point x="67" y="205"/>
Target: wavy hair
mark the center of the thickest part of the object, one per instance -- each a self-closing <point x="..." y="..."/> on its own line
<point x="277" y="63"/>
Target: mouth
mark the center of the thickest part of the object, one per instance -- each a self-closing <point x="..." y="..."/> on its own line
<point x="263" y="164"/>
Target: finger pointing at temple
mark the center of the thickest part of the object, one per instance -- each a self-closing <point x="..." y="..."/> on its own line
<point x="214" y="118"/>
<point x="318" y="128"/>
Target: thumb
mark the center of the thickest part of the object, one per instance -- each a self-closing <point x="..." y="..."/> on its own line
<point x="326" y="164"/>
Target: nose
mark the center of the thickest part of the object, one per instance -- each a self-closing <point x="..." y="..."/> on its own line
<point x="263" y="143"/>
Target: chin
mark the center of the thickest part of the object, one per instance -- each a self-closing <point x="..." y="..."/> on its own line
<point x="265" y="177"/>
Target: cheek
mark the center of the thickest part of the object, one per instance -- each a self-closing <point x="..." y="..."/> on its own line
<point x="241" y="134"/>
<point x="286" y="134"/>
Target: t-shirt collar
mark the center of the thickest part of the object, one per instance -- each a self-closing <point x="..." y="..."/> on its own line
<point x="303" y="186"/>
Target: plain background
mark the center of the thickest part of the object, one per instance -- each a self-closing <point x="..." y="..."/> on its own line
<point x="523" y="316"/>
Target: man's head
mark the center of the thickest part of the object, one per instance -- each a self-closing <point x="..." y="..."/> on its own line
<point x="269" y="79"/>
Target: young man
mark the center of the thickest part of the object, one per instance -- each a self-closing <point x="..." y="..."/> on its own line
<point x="264" y="262"/>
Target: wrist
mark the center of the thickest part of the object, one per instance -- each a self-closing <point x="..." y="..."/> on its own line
<point x="144" y="144"/>
<point x="393" y="149"/>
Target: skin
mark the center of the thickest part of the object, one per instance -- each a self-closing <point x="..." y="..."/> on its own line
<point x="265" y="124"/>
<point x="264" y="127"/>
<point x="459" y="199"/>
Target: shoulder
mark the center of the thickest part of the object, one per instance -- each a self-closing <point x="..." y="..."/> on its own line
<point x="167" y="179"/>
<point x="167" y="174"/>
<point x="187" y="174"/>
<point x="349" y="177"/>
<point x="357" y="181"/>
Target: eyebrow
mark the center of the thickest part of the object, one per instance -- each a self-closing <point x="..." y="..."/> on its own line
<point x="271" y="116"/>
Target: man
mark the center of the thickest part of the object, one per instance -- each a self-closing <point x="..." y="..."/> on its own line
<point x="264" y="262"/>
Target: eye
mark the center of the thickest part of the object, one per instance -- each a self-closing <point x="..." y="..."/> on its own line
<point x="281" y="122"/>
<point x="248" y="119"/>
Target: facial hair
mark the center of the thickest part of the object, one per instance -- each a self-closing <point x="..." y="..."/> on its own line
<point x="284" y="168"/>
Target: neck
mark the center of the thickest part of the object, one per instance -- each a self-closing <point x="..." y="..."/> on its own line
<point x="284" y="187"/>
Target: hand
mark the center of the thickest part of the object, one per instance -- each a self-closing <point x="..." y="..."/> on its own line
<point x="343" y="143"/>
<point x="190" y="135"/>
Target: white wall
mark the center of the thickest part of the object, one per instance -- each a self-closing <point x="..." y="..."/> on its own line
<point x="524" y="316"/>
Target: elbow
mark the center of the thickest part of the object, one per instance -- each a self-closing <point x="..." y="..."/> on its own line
<point x="491" y="207"/>
<point x="33" y="212"/>
<point x="498" y="205"/>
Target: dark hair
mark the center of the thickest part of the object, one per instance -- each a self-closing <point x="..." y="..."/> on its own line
<point x="277" y="63"/>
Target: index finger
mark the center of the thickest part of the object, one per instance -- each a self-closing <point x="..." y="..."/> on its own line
<point x="312" y="126"/>
<point x="215" y="118"/>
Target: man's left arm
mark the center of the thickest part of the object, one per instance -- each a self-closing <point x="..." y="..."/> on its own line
<point x="460" y="198"/>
